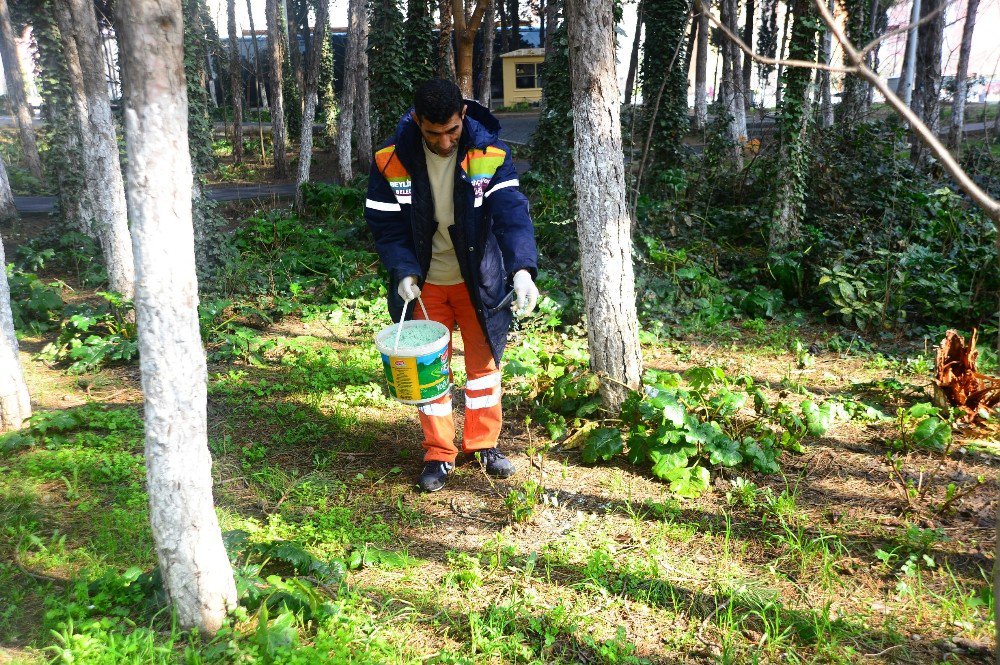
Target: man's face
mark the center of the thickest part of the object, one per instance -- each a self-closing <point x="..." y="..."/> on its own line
<point x="442" y="138"/>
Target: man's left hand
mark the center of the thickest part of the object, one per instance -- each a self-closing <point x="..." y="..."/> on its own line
<point x="526" y="293"/>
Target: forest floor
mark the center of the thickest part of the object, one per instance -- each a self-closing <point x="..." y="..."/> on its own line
<point x="831" y="560"/>
<point x="826" y="561"/>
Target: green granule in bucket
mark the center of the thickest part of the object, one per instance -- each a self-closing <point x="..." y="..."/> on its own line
<point x="415" y="334"/>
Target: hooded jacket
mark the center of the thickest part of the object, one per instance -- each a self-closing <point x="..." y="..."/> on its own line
<point x="492" y="234"/>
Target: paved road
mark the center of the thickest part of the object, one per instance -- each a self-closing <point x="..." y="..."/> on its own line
<point x="41" y="205"/>
<point x="516" y="128"/>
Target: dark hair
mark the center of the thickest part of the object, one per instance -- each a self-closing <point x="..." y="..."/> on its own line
<point x="437" y="100"/>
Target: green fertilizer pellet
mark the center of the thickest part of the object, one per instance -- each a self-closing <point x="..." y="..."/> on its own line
<point x="415" y="334"/>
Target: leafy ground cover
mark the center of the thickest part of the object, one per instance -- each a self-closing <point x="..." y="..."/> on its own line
<point x="781" y="490"/>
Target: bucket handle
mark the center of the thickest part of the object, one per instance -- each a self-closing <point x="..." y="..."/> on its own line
<point x="402" y="319"/>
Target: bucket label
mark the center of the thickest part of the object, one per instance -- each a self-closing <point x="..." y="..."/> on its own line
<point x="417" y="378"/>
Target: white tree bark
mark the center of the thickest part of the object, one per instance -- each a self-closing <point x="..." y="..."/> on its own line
<point x="196" y="570"/>
<point x="313" y="65"/>
<point x="356" y="21"/>
<point x="15" y="406"/>
<point x="732" y="83"/>
<point x="16" y="92"/>
<point x="104" y="197"/>
<point x="603" y="225"/>
<point x="904" y="88"/>
<point x="275" y="40"/>
<point x="701" y="67"/>
<point x="961" y="78"/>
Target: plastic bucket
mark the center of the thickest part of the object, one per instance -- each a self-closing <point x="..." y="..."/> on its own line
<point x="416" y="374"/>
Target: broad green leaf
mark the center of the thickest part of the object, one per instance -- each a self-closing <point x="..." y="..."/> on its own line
<point x="727" y="403"/>
<point x="701" y="433"/>
<point x="723" y="451"/>
<point x="700" y="377"/>
<point x="932" y="433"/>
<point x="922" y="409"/>
<point x="666" y="462"/>
<point x="689" y="482"/>
<point x="819" y="419"/>
<point x="602" y="444"/>
<point x="762" y="457"/>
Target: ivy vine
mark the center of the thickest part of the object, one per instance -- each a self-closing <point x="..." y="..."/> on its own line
<point x="390" y="83"/>
<point x="664" y="68"/>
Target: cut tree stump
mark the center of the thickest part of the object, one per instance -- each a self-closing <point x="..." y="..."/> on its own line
<point x="957" y="382"/>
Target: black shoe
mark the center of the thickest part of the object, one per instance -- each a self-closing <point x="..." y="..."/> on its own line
<point x="495" y="463"/>
<point x="435" y="475"/>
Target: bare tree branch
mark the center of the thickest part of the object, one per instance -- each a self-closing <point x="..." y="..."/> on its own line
<point x="989" y="205"/>
<point x="776" y="61"/>
<point x="857" y="66"/>
<point x="901" y="29"/>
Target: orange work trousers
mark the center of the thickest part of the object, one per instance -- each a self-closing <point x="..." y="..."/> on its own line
<point x="483" y="416"/>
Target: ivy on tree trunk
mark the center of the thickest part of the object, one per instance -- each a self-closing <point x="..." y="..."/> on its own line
<point x="16" y="93"/>
<point x="792" y="126"/>
<point x="664" y="79"/>
<point x="389" y="82"/>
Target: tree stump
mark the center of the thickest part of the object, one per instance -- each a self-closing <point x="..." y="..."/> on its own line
<point x="957" y="381"/>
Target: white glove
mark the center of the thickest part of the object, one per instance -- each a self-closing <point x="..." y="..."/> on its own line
<point x="408" y="289"/>
<point x="526" y="293"/>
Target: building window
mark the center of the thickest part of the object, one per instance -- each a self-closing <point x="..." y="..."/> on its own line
<point x="526" y="75"/>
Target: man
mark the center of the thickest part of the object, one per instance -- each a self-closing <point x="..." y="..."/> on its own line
<point x="452" y="227"/>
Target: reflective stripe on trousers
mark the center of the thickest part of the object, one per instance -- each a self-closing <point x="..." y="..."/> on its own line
<point x="483" y="415"/>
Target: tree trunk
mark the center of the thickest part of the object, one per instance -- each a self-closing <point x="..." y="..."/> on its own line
<point x="362" y="112"/>
<point x="961" y="79"/>
<point x="552" y="20"/>
<point x="312" y="95"/>
<point x="465" y="37"/>
<point x="486" y="71"/>
<point x="446" y="52"/>
<point x="196" y="572"/>
<point x="261" y="95"/>
<point x="292" y="31"/>
<point x="633" y="61"/>
<point x="791" y="126"/>
<point x="15" y="405"/>
<point x="732" y="84"/>
<point x="853" y="101"/>
<point x="345" y="120"/>
<point x="927" y="83"/>
<point x="514" y="16"/>
<point x="104" y="199"/>
<point x="16" y="93"/>
<point x="825" y="92"/>
<point x="235" y="81"/>
<point x="603" y="226"/>
<point x="904" y="87"/>
<point x="782" y="49"/>
<point x="701" y="67"/>
<point x="996" y="559"/>
<point x="505" y="26"/>
<point x="542" y="17"/>
<point x="275" y="39"/>
<point x="747" y="60"/>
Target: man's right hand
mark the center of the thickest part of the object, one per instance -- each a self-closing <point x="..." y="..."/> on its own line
<point x="408" y="289"/>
